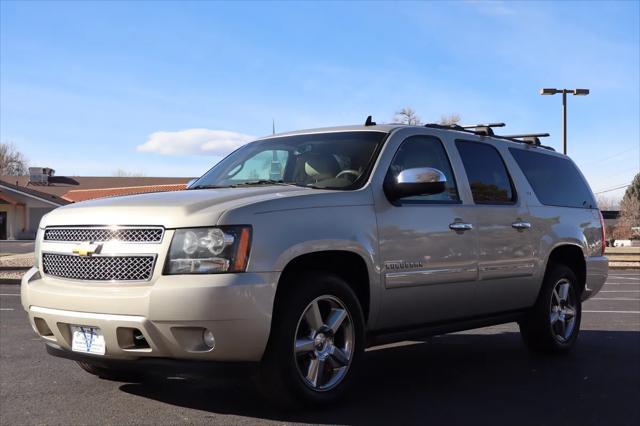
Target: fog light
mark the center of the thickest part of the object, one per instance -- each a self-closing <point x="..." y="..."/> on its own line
<point x="208" y="338"/>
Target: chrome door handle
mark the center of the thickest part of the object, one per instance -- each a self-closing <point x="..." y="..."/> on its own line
<point x="460" y="226"/>
<point x="520" y="225"/>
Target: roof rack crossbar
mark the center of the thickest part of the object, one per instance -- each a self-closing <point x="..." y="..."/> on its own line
<point x="528" y="135"/>
<point x="485" y="130"/>
<point x="475" y="126"/>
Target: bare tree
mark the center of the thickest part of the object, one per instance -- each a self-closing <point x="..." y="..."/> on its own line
<point x="126" y="173"/>
<point x="407" y="115"/>
<point x="629" y="224"/>
<point x="606" y="203"/>
<point x="448" y="120"/>
<point x="12" y="161"/>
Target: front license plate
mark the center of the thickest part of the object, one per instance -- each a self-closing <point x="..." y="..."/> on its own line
<point x="87" y="339"/>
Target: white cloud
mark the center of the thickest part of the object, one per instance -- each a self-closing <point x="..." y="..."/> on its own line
<point x="194" y="141"/>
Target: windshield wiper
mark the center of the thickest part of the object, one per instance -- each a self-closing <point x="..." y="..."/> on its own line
<point x="207" y="187"/>
<point x="256" y="182"/>
<point x="261" y="182"/>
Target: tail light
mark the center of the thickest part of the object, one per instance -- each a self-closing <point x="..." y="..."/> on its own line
<point x="604" y="233"/>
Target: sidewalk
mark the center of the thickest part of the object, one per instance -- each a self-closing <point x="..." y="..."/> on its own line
<point x="16" y="247"/>
<point x="13" y="266"/>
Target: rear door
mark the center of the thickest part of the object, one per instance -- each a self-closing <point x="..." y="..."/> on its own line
<point x="429" y="270"/>
<point x="506" y="249"/>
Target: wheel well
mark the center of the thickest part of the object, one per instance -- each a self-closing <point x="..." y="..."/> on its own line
<point x="349" y="266"/>
<point x="572" y="257"/>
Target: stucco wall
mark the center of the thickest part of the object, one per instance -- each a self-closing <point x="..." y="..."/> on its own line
<point x="21" y="224"/>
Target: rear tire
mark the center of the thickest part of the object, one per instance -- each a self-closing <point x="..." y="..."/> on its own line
<point x="316" y="342"/>
<point x="553" y="324"/>
<point x="114" y="374"/>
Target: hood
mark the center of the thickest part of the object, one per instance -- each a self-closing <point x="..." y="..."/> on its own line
<point x="200" y="207"/>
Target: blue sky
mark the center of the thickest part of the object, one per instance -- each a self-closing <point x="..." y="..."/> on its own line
<point x="87" y="88"/>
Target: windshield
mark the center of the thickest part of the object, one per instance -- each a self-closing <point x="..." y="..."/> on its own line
<point x="323" y="160"/>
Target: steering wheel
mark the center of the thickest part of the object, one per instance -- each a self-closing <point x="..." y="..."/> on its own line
<point x="355" y="173"/>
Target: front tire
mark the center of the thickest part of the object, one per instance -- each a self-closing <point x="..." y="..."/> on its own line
<point x="316" y="343"/>
<point x="553" y="324"/>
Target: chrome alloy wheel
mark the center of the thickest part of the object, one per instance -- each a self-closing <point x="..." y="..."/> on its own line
<point x="563" y="310"/>
<point x="324" y="343"/>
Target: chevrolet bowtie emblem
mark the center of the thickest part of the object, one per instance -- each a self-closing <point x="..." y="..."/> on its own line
<point x="87" y="249"/>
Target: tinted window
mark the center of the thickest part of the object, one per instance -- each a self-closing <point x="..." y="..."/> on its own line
<point x="425" y="151"/>
<point x="264" y="165"/>
<point x="340" y="160"/>
<point x="555" y="180"/>
<point x="490" y="183"/>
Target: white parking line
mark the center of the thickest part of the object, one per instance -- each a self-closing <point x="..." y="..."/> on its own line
<point x="615" y="298"/>
<point x="10" y="294"/>
<point x="612" y="312"/>
<point x="608" y="283"/>
<point x="6" y="309"/>
<point x="604" y="291"/>
<point x="621" y="277"/>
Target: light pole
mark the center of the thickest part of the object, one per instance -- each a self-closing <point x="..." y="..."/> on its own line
<point x="575" y="92"/>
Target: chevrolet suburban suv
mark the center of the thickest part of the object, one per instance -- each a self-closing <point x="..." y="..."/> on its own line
<point x="299" y="250"/>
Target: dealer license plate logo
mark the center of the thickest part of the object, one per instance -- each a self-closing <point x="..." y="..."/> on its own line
<point x="87" y="339"/>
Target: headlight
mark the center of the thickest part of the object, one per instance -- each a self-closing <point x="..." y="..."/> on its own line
<point x="209" y="250"/>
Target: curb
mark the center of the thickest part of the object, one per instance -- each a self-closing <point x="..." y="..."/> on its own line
<point x="15" y="268"/>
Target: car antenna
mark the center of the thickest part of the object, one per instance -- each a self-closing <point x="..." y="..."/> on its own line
<point x="369" y="122"/>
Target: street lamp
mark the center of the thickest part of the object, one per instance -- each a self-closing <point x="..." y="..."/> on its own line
<point x="575" y="92"/>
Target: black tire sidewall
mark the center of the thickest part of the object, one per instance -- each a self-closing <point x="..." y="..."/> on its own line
<point x="538" y="327"/>
<point x="280" y="358"/>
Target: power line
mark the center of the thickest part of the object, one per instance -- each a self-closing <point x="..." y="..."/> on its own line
<point x="600" y="160"/>
<point x="613" y="189"/>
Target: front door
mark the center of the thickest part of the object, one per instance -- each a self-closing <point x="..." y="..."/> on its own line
<point x="429" y="269"/>
<point x="3" y="225"/>
<point x="506" y="246"/>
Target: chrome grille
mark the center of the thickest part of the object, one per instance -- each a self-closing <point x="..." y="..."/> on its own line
<point x="99" y="268"/>
<point x="96" y="234"/>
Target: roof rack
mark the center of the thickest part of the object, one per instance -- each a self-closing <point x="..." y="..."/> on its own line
<point x="530" y="138"/>
<point x="478" y="129"/>
<point x="486" y="130"/>
<point x="475" y="126"/>
<point x="483" y="129"/>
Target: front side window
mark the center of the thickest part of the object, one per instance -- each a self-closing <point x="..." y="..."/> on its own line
<point x="340" y="160"/>
<point x="488" y="177"/>
<point x="425" y="151"/>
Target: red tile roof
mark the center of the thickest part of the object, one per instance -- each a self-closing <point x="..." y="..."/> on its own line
<point x="65" y="189"/>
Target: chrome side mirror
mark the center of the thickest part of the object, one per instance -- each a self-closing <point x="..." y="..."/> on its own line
<point x="418" y="181"/>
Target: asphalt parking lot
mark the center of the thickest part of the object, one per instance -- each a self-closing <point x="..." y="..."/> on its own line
<point x="483" y="376"/>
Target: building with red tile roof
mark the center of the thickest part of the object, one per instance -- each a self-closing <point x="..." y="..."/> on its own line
<point x="25" y="199"/>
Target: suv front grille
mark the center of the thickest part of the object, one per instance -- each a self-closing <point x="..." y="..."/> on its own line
<point x="99" y="268"/>
<point x="96" y="234"/>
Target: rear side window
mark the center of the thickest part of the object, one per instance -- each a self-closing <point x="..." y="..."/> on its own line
<point x="555" y="180"/>
<point x="488" y="177"/>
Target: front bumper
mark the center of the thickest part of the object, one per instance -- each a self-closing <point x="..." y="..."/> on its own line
<point x="597" y="272"/>
<point x="161" y="366"/>
<point x="171" y="314"/>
